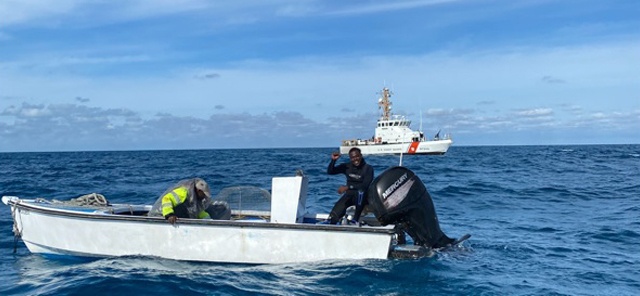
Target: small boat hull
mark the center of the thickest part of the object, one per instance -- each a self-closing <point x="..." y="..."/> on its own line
<point x="63" y="231"/>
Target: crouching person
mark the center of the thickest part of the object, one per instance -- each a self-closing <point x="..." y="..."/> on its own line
<point x="190" y="198"/>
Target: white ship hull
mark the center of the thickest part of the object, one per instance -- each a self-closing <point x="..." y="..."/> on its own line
<point x="435" y="147"/>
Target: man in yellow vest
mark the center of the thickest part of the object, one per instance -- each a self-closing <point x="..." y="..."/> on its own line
<point x="190" y="198"/>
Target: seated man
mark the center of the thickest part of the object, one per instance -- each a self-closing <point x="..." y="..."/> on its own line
<point x="190" y="198"/>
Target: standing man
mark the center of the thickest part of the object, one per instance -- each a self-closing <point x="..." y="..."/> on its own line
<point x="359" y="175"/>
<point x="190" y="198"/>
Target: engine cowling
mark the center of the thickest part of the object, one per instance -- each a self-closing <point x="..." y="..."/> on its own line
<point x="398" y="196"/>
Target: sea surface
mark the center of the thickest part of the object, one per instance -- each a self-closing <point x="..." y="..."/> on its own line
<point x="544" y="220"/>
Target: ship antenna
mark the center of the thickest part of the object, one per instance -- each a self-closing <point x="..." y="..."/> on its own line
<point x="385" y="104"/>
<point x="420" y="116"/>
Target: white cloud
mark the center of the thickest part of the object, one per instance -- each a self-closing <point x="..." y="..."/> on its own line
<point x="23" y="11"/>
<point x="92" y="13"/>
<point x="48" y="12"/>
<point x="376" y="7"/>
<point x="77" y="127"/>
<point x="537" y="112"/>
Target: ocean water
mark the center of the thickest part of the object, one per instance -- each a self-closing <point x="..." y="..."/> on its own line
<point x="544" y="220"/>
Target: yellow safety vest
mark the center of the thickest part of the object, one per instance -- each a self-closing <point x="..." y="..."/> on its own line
<point x="176" y="197"/>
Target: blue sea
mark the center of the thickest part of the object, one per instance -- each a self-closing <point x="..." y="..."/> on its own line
<point x="544" y="220"/>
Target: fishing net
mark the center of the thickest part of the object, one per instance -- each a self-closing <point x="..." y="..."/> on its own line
<point x="91" y="199"/>
<point x="245" y="198"/>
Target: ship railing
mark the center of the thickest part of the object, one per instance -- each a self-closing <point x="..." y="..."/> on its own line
<point x="357" y="142"/>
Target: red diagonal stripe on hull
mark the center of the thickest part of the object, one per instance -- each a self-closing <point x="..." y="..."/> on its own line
<point x="413" y="147"/>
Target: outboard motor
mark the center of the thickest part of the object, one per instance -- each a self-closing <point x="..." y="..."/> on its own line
<point x="399" y="196"/>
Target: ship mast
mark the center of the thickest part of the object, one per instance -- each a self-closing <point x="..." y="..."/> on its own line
<point x="385" y="104"/>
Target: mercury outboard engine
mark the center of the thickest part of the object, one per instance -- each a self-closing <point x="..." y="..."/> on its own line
<point x="399" y="196"/>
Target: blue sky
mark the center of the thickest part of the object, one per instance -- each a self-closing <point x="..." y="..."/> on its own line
<point x="195" y="74"/>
